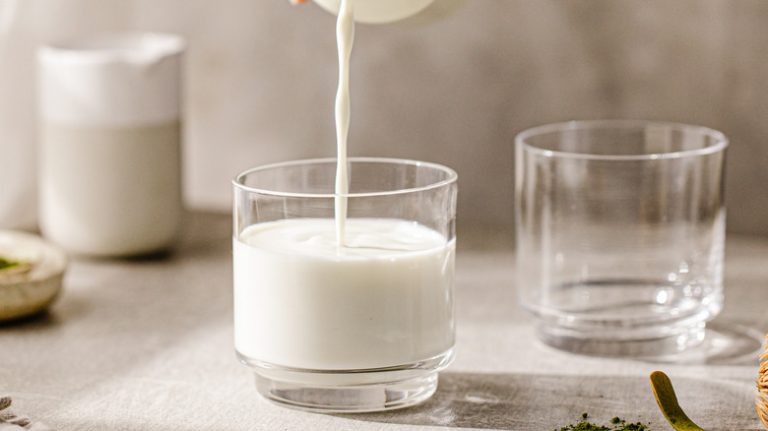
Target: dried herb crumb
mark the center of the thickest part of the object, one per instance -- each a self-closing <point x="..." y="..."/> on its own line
<point x="618" y="424"/>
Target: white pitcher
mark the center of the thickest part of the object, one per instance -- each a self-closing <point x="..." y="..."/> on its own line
<point x="110" y="143"/>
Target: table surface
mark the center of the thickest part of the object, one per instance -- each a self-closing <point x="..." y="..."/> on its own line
<point x="146" y="344"/>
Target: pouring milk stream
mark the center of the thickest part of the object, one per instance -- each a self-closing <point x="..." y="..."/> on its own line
<point x="373" y="11"/>
<point x="369" y="11"/>
<point x="345" y="35"/>
<point x="401" y="263"/>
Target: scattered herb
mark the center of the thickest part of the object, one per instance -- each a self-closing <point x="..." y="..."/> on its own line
<point x="617" y="424"/>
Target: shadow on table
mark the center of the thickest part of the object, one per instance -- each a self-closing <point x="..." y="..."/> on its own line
<point x="201" y="235"/>
<point x="726" y="343"/>
<point x="62" y="311"/>
<point x="205" y="235"/>
<point x="545" y="402"/>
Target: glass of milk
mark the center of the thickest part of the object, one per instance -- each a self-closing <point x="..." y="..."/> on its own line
<point x="361" y="326"/>
<point x="620" y="234"/>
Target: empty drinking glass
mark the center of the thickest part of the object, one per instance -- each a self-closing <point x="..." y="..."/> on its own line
<point x="620" y="233"/>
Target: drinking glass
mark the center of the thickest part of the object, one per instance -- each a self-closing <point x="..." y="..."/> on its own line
<point x="620" y="234"/>
<point x="361" y="327"/>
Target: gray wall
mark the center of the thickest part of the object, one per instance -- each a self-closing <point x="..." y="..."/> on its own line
<point x="262" y="77"/>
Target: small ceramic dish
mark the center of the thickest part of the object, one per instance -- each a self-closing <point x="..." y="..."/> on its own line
<point x="31" y="274"/>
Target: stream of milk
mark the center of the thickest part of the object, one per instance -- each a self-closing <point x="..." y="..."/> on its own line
<point x="342" y="294"/>
<point x="345" y="35"/>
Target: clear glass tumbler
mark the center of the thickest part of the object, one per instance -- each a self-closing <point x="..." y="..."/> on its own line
<point x="363" y="326"/>
<point x="620" y="234"/>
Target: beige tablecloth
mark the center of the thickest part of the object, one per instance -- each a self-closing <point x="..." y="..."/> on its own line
<point x="147" y="345"/>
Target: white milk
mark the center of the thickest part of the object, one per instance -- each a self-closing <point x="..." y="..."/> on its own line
<point x="345" y="38"/>
<point x="383" y="300"/>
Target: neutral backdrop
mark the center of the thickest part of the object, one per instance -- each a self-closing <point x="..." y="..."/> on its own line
<point x="261" y="81"/>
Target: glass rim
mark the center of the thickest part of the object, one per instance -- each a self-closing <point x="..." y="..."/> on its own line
<point x="238" y="181"/>
<point x="721" y="141"/>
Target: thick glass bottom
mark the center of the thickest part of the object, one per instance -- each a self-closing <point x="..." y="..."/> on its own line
<point x="349" y="391"/>
<point x="626" y="318"/>
<point x="649" y="345"/>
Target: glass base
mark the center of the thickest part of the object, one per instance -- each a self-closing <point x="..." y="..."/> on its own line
<point x="649" y="345"/>
<point x="627" y="317"/>
<point x="349" y="399"/>
<point x="349" y="391"/>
